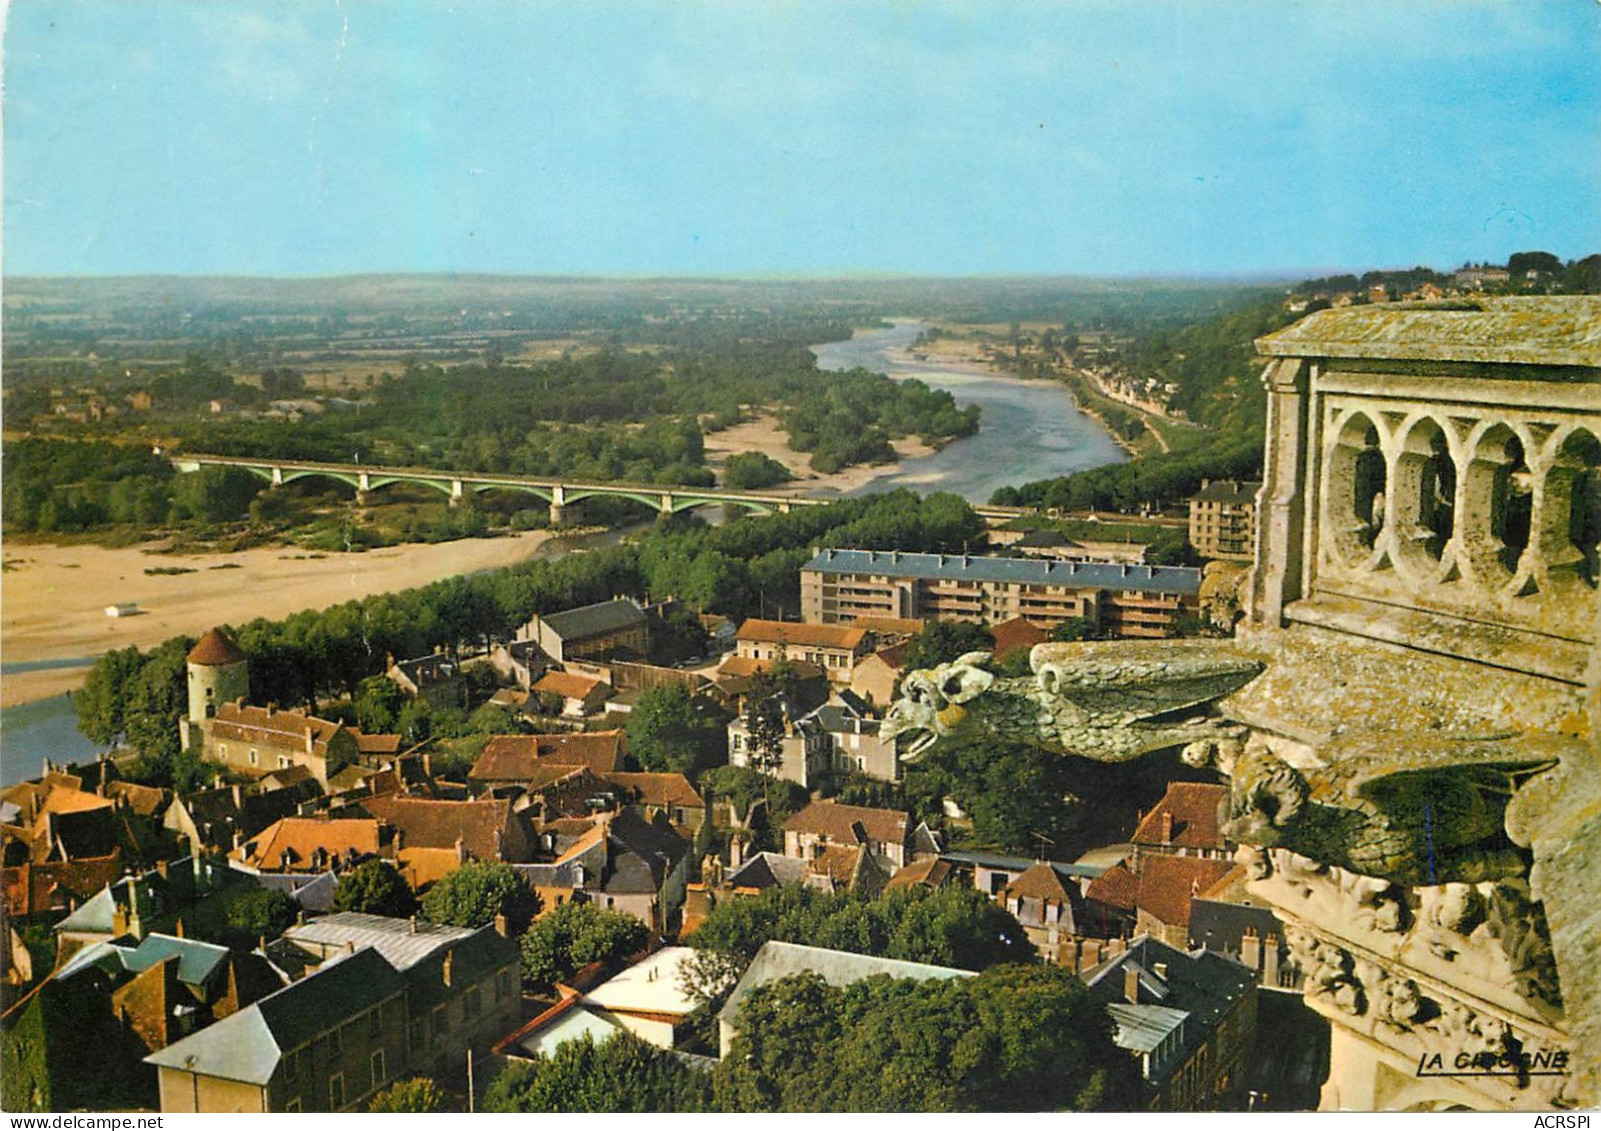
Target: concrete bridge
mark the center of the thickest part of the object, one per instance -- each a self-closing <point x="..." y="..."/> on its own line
<point x="556" y="492"/>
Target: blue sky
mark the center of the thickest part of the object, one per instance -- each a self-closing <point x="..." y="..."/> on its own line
<point x="894" y="136"/>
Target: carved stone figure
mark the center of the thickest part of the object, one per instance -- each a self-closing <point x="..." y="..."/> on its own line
<point x="1408" y="809"/>
<point x="1107" y="701"/>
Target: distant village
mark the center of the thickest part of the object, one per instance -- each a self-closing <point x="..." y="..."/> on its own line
<point x="237" y="947"/>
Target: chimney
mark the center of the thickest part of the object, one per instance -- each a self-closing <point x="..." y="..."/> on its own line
<point x="1161" y="970"/>
<point x="1251" y="950"/>
<point x="1167" y="826"/>
<point x="501" y="927"/>
<point x="161" y="868"/>
<point x="238" y="792"/>
<point x="450" y="961"/>
<point x="177" y="928"/>
<point x="414" y="924"/>
<point x="1131" y="984"/>
<point x="1270" y="961"/>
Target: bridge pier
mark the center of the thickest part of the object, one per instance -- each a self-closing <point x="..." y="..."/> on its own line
<point x="277" y="476"/>
<point x="363" y="485"/>
<point x="558" y="505"/>
<point x="666" y="511"/>
<point x="455" y="492"/>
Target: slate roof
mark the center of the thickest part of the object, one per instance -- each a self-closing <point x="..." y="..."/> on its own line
<point x="601" y="619"/>
<point x="839" y="822"/>
<point x="1017" y="571"/>
<point x="422" y="823"/>
<point x="768" y="869"/>
<point x="1168" y="883"/>
<point x="1197" y="812"/>
<point x="777" y="960"/>
<point x="1228" y="491"/>
<point x="1203" y="986"/>
<point x="246" y="1046"/>
<point x="641" y="853"/>
<point x="215" y="649"/>
<point x="513" y="757"/>
<point x="197" y="960"/>
<point x="402" y="942"/>
<point x="472" y="959"/>
<point x="1003" y="863"/>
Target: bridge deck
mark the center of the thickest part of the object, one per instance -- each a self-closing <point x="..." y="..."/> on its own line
<point x="434" y="476"/>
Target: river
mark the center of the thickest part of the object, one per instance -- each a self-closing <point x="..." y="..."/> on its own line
<point x="1029" y="429"/>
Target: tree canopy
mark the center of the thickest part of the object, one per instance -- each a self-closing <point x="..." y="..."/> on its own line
<point x="416" y="1096"/>
<point x="1011" y="1039"/>
<point x="574" y="935"/>
<point x="621" y="1073"/>
<point x="475" y="893"/>
<point x="950" y="927"/>
<point x="666" y="733"/>
<point x="375" y="888"/>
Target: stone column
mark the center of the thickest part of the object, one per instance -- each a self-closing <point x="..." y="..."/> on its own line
<point x="1286" y="499"/>
<point x="558" y="504"/>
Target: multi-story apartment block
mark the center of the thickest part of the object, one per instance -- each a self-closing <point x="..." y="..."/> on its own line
<point x="839" y="586"/>
<point x="1223" y="520"/>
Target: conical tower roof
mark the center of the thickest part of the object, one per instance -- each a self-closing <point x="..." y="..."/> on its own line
<point x="215" y="649"/>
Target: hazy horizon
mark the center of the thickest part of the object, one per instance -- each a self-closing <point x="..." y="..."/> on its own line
<point x="1215" y="140"/>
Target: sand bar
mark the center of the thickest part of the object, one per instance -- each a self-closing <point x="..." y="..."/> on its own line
<point x="53" y="598"/>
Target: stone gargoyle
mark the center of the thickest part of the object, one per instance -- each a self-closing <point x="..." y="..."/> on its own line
<point x="1414" y="809"/>
<point x="1107" y="701"/>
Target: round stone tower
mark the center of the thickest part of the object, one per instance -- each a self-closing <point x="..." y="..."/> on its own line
<point x="218" y="673"/>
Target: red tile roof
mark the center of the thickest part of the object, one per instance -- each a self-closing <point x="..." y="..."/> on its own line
<point x="300" y="837"/>
<point x="376" y="743"/>
<point x="739" y="667"/>
<point x="1017" y="633"/>
<point x="1168" y="883"/>
<point x="657" y="789"/>
<point x="890" y="626"/>
<point x="238" y="722"/>
<point x="837" y="862"/>
<point x="930" y="871"/>
<point x="422" y="823"/>
<point x="215" y="649"/>
<point x="1116" y="887"/>
<point x="1195" y="809"/>
<point x="567" y="685"/>
<point x="802" y="635"/>
<point x="839" y="822"/>
<point x="1040" y="882"/>
<point x="31" y="889"/>
<point x="523" y="757"/>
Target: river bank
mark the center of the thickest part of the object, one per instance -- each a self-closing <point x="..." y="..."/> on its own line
<point x="55" y="596"/>
<point x="1028" y="429"/>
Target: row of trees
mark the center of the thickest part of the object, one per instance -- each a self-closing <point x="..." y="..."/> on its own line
<point x="736" y="569"/>
<point x="1014" y="1038"/>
